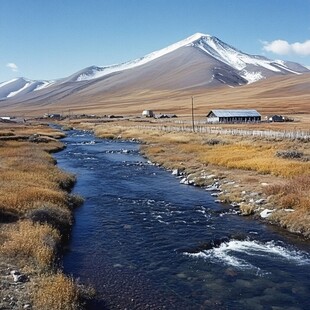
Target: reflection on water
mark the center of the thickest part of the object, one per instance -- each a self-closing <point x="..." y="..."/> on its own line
<point x="144" y="241"/>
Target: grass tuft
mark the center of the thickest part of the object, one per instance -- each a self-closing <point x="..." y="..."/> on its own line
<point x="31" y="244"/>
<point x="293" y="195"/>
<point x="57" y="292"/>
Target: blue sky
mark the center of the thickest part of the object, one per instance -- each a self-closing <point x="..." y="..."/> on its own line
<point x="49" y="39"/>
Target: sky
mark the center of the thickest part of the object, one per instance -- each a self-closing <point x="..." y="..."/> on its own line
<point x="50" y="39"/>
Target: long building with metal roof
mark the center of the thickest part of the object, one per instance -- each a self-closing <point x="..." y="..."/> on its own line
<point x="233" y="116"/>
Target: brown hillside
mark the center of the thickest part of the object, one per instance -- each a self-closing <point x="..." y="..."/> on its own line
<point x="289" y="95"/>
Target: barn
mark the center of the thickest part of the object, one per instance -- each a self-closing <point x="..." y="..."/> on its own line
<point x="233" y="116"/>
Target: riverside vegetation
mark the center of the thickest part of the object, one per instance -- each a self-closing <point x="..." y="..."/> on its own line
<point x="36" y="207"/>
<point x="253" y="174"/>
<point x="35" y="219"/>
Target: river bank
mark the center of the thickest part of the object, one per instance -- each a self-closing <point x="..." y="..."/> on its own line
<point x="35" y="220"/>
<point x="265" y="178"/>
<point x="146" y="241"/>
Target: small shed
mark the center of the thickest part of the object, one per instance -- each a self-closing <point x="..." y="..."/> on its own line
<point x="148" y="113"/>
<point x="6" y="119"/>
<point x="54" y="115"/>
<point x="233" y="116"/>
<point x="276" y="118"/>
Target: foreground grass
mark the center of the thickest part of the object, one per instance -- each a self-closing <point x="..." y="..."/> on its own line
<point x="292" y="195"/>
<point x="35" y="216"/>
<point x="250" y="161"/>
<point x="48" y="296"/>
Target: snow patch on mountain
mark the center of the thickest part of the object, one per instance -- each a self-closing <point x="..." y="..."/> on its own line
<point x="13" y="93"/>
<point x="252" y="77"/>
<point x="19" y="86"/>
<point x="8" y="82"/>
<point x="44" y="85"/>
<point x="231" y="56"/>
<point x="95" y="72"/>
<point x="282" y="65"/>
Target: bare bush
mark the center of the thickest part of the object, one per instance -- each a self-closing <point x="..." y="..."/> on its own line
<point x="290" y="154"/>
<point x="213" y="142"/>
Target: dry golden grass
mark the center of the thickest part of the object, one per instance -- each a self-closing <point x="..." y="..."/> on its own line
<point x="16" y="129"/>
<point x="29" y="175"/>
<point x="32" y="245"/>
<point x="247" y="209"/>
<point x="292" y="195"/>
<point x="244" y="153"/>
<point x="250" y="156"/>
<point x="24" y="198"/>
<point x="57" y="292"/>
<point x="35" y="191"/>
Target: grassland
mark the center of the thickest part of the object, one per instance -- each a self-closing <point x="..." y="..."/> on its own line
<point x="35" y="218"/>
<point x="253" y="172"/>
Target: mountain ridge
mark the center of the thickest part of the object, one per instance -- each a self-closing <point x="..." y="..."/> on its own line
<point x="220" y="64"/>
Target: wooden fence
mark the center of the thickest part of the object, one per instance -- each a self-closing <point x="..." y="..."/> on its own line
<point x="267" y="134"/>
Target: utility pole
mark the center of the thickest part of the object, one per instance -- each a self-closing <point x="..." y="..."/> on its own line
<point x="193" y="121"/>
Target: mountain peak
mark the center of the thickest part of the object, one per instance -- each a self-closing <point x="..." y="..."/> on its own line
<point x="196" y="36"/>
<point x="94" y="72"/>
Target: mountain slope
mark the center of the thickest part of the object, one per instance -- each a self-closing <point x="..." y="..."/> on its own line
<point x="200" y="61"/>
<point x="21" y="86"/>
<point x="242" y="62"/>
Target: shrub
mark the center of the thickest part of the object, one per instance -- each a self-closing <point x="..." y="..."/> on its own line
<point x="247" y="209"/>
<point x="290" y="154"/>
<point x="6" y="134"/>
<point x="7" y="217"/>
<point x="75" y="201"/>
<point x="213" y="142"/>
<point x="59" y="218"/>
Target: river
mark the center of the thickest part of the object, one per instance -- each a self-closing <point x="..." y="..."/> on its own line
<point x="145" y="241"/>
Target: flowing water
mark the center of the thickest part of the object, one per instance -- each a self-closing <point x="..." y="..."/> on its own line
<point x="145" y="241"/>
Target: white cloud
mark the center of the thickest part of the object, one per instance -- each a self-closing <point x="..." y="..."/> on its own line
<point x="12" y="66"/>
<point x="302" y="48"/>
<point x="282" y="47"/>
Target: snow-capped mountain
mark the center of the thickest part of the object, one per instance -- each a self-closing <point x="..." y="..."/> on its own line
<point x="198" y="61"/>
<point x="21" y="86"/>
<point x="242" y="62"/>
